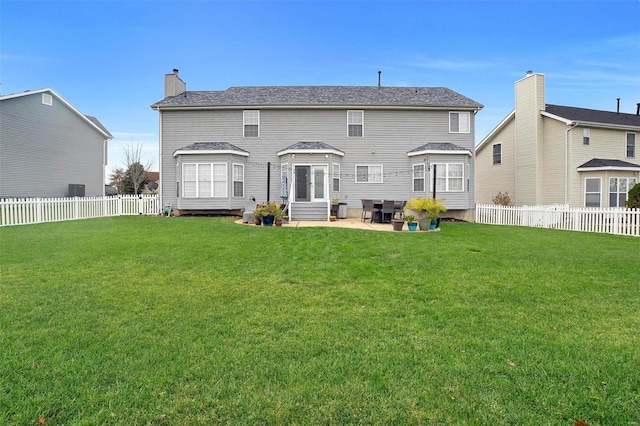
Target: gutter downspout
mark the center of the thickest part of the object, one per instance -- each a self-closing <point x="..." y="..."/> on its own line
<point x="566" y="161"/>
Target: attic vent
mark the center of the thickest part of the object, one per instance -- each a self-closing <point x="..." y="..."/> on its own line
<point x="47" y="99"/>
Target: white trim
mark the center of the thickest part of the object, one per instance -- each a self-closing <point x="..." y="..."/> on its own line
<point x="440" y="151"/>
<point x="608" y="168"/>
<point x="233" y="181"/>
<point x="309" y="151"/>
<point x="584" y="192"/>
<point x="361" y="111"/>
<point x="467" y="130"/>
<point x="61" y="99"/>
<point x="250" y="113"/>
<point x="369" y="173"/>
<point x="208" y="151"/>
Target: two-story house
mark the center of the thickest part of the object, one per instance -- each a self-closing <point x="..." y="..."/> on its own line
<point x="48" y="148"/>
<point x="543" y="154"/>
<point x="306" y="145"/>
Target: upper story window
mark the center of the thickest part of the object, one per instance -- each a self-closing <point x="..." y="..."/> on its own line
<point x="449" y="177"/>
<point x="251" y="122"/>
<point x="586" y="135"/>
<point x="369" y="173"/>
<point x="460" y="122"/>
<point x="497" y="153"/>
<point x="631" y="145"/>
<point x="355" y="123"/>
<point x="418" y="178"/>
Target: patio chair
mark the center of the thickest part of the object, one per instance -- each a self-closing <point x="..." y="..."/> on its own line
<point x="388" y="210"/>
<point x="367" y="206"/>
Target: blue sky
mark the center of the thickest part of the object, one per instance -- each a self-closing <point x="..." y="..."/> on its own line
<point x="108" y="58"/>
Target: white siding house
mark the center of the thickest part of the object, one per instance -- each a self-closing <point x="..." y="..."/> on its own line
<point x="306" y="145"/>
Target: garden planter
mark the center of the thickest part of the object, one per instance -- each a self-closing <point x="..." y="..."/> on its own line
<point x="424" y="224"/>
<point x="258" y="222"/>
<point x="397" y="225"/>
<point x="412" y="226"/>
<point x="278" y="222"/>
<point x="433" y="225"/>
<point x="267" y="220"/>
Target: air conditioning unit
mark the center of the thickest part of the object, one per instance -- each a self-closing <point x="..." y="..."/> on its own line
<point x="76" y="190"/>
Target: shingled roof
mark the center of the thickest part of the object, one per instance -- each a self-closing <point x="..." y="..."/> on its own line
<point x="218" y="147"/>
<point x="611" y="164"/>
<point x="593" y="116"/>
<point x="360" y="96"/>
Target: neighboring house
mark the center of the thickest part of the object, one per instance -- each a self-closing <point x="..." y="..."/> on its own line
<point x="48" y="148"/>
<point x="304" y="146"/>
<point x="153" y="183"/>
<point x="551" y="154"/>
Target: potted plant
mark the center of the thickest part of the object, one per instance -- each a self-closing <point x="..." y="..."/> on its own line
<point x="332" y="218"/>
<point x="397" y="224"/>
<point x="268" y="213"/>
<point x="411" y="222"/>
<point x="278" y="215"/>
<point x="334" y="206"/>
<point x="433" y="212"/>
<point x="427" y="209"/>
<point x="257" y="214"/>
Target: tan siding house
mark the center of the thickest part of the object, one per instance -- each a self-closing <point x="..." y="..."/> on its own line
<point x="223" y="151"/>
<point x="552" y="154"/>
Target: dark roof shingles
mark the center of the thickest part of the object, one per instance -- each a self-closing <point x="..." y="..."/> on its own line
<point x="322" y="95"/>
<point x="603" y="162"/>
<point x="593" y="116"/>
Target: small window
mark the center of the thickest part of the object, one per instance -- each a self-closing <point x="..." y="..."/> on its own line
<point x="592" y="190"/>
<point x="47" y="99"/>
<point x="238" y="180"/>
<point x="418" y="178"/>
<point x="631" y="145"/>
<point x="355" y="124"/>
<point x="251" y="121"/>
<point x="369" y="174"/>
<point x="497" y="153"/>
<point x="459" y="122"/>
<point x="586" y="134"/>
<point x="335" y="178"/>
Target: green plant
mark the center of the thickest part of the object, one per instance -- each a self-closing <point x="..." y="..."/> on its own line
<point x="426" y="207"/>
<point x="409" y="218"/>
<point x="633" y="200"/>
<point x="268" y="209"/>
<point x="335" y="201"/>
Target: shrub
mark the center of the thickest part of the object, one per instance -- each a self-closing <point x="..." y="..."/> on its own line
<point x="633" y="200"/>
<point x="502" y="199"/>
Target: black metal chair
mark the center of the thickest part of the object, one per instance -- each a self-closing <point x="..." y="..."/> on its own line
<point x="387" y="211"/>
<point x="367" y="206"/>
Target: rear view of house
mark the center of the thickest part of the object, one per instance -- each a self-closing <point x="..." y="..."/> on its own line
<point x="48" y="148"/>
<point x="307" y="145"/>
<point x="553" y="154"/>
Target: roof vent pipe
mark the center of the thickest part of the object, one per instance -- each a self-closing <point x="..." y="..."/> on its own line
<point x="638" y="108"/>
<point x="379" y="76"/>
<point x="618" y="109"/>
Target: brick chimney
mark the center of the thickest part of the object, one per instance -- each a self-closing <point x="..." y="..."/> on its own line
<point x="173" y="85"/>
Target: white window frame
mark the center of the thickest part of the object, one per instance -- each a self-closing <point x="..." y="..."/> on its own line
<point x="250" y="117"/>
<point x="586" y="136"/>
<point x="335" y="177"/>
<point x="599" y="192"/>
<point x="630" y="141"/>
<point x="373" y="176"/>
<point x="237" y="178"/>
<point x="213" y="176"/>
<point x="419" y="175"/>
<point x="355" y="117"/>
<point x="47" y="99"/>
<point x="499" y="154"/>
<point x="464" y="122"/>
<point x="630" y="182"/>
<point x="446" y="177"/>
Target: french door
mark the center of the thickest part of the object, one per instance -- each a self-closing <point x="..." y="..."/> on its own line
<point x="311" y="182"/>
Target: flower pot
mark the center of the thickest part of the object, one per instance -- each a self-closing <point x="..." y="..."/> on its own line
<point x="267" y="220"/>
<point x="397" y="225"/>
<point x="258" y="222"/>
<point x="433" y="224"/>
<point x="278" y="222"/>
<point x="424" y="224"/>
<point x="412" y="225"/>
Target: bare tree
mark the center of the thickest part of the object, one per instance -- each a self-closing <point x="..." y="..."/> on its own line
<point x="136" y="170"/>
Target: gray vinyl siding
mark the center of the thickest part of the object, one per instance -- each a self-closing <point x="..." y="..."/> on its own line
<point x="389" y="134"/>
<point x="45" y="148"/>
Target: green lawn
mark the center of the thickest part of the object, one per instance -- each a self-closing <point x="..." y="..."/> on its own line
<point x="187" y="321"/>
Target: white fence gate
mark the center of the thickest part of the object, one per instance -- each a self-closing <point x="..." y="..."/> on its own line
<point x="618" y="221"/>
<point x="24" y="211"/>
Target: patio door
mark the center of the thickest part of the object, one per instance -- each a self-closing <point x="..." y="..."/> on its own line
<point x="311" y="183"/>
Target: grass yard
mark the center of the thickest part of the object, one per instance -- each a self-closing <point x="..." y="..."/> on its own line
<point x="188" y="321"/>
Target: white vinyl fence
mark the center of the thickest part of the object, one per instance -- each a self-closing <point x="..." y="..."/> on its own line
<point x="618" y="221"/>
<point x="24" y="211"/>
